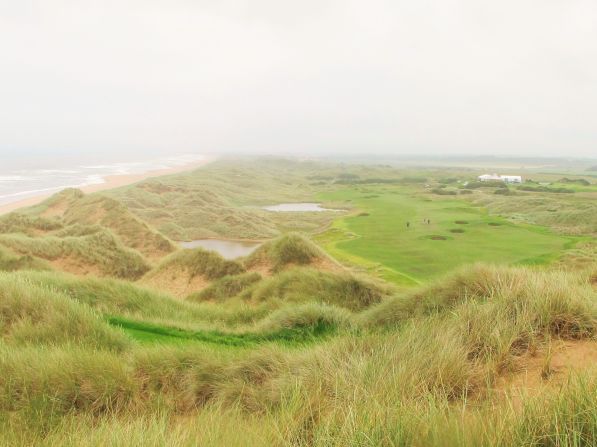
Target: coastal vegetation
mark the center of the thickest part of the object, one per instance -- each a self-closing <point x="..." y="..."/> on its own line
<point x="407" y="317"/>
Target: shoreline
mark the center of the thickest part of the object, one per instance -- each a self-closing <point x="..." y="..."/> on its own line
<point x="110" y="182"/>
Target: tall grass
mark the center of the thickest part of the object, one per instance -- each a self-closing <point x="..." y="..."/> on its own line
<point x="100" y="250"/>
<point x="226" y="287"/>
<point x="415" y="369"/>
<point x="200" y="262"/>
<point x="300" y="285"/>
<point x="288" y="249"/>
<point x="36" y="315"/>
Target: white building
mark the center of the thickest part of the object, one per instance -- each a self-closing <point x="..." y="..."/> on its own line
<point x="500" y="178"/>
<point x="511" y="178"/>
<point x="490" y="178"/>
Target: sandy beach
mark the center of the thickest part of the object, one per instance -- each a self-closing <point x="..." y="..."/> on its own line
<point x="111" y="181"/>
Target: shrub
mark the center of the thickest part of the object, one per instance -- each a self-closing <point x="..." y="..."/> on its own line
<point x="443" y="192"/>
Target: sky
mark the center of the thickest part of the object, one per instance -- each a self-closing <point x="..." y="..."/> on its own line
<point x="502" y="78"/>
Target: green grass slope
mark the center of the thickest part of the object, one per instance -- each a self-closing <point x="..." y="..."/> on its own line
<point x="425" y="367"/>
<point x="391" y="236"/>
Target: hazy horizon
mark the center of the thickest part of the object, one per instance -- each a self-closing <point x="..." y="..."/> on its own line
<point x="142" y="79"/>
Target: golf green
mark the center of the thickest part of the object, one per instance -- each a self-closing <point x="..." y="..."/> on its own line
<point x="408" y="237"/>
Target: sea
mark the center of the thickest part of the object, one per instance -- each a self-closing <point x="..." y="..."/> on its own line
<point x="24" y="177"/>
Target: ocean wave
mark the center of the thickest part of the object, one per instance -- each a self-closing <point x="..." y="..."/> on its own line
<point x="17" y="185"/>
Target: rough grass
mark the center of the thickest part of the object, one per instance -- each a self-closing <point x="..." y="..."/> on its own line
<point x="554" y="301"/>
<point x="100" y="252"/>
<point x="35" y="315"/>
<point x="300" y="285"/>
<point x="564" y="213"/>
<point x="305" y="357"/>
<point x="285" y="250"/>
<point x="199" y="262"/>
<point x="30" y="225"/>
<point x="71" y="207"/>
<point x="415" y="369"/>
<point x="224" y="198"/>
<point x="10" y="261"/>
<point x="226" y="287"/>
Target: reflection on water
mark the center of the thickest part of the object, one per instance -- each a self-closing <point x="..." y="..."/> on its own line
<point x="228" y="249"/>
<point x="296" y="207"/>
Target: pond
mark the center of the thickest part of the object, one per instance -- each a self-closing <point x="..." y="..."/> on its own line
<point x="227" y="248"/>
<point x="297" y="207"/>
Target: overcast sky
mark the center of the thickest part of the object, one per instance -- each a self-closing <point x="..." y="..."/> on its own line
<point x="507" y="77"/>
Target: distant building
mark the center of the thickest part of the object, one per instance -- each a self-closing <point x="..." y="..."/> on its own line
<point x="511" y="178"/>
<point x="500" y="178"/>
<point x="490" y="178"/>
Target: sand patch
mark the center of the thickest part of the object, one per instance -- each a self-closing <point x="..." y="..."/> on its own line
<point x="75" y="266"/>
<point x="265" y="267"/>
<point x="547" y="369"/>
<point x="56" y="210"/>
<point x="175" y="281"/>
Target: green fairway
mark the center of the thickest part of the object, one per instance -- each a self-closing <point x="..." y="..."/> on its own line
<point x="377" y="236"/>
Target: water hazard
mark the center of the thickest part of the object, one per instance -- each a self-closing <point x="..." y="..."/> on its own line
<point x="227" y="248"/>
<point x="297" y="207"/>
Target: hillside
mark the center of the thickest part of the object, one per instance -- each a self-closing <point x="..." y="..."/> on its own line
<point x="449" y="353"/>
<point x="72" y="207"/>
<point x="355" y="329"/>
<point x="224" y="198"/>
<point x="80" y="234"/>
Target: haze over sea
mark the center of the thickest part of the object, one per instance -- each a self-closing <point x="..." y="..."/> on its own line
<point x="24" y="177"/>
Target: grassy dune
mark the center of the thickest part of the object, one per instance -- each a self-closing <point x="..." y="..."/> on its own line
<point x="224" y="199"/>
<point x="80" y="234"/>
<point x="99" y="253"/>
<point x="296" y="344"/>
<point x="421" y="367"/>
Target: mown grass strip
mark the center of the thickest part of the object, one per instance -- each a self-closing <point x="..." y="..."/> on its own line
<point x="152" y="333"/>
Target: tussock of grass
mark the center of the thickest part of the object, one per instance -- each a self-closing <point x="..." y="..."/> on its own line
<point x="9" y="261"/>
<point x="319" y="317"/>
<point x="29" y="225"/>
<point x="288" y="249"/>
<point x="200" y="262"/>
<point x="36" y="315"/>
<point x="303" y="284"/>
<point x="110" y="213"/>
<point x="115" y="297"/>
<point x="226" y="287"/>
<point x="557" y="302"/>
<point x="101" y="251"/>
<point x="53" y="381"/>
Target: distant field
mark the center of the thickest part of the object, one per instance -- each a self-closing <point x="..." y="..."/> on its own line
<point x="377" y="236"/>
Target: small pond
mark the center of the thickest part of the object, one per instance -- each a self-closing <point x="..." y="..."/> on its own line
<point x="227" y="248"/>
<point x="297" y="207"/>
